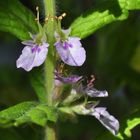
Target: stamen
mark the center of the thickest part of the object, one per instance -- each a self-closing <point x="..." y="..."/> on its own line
<point x="62" y="16"/>
<point x="52" y="18"/>
<point x="90" y="82"/>
<point x="37" y="16"/>
<point x="46" y="19"/>
<point x="62" y="67"/>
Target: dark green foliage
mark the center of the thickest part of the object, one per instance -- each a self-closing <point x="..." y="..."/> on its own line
<point x="27" y="112"/>
<point x="103" y="13"/>
<point x="16" y="19"/>
<point x="116" y="62"/>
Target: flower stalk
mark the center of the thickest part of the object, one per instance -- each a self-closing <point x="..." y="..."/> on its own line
<point x="50" y="61"/>
<point x="50" y="130"/>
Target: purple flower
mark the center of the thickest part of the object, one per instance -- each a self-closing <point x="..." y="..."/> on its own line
<point x="33" y="54"/>
<point x="92" y="92"/>
<point x="79" y="88"/>
<point x="100" y="113"/>
<point x="70" y="49"/>
<point x="109" y="121"/>
<point x="67" y="80"/>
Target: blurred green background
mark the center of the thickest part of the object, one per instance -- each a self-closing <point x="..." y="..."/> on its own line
<point x="113" y="56"/>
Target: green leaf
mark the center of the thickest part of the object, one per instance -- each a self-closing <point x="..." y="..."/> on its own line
<point x="130" y="125"/>
<point x="37" y="82"/>
<point x="104" y="13"/>
<point x="16" y="19"/>
<point x="27" y="112"/>
<point x="108" y="136"/>
<point x="131" y="4"/>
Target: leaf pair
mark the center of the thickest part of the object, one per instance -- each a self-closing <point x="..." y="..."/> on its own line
<point x="18" y="20"/>
<point x="31" y="112"/>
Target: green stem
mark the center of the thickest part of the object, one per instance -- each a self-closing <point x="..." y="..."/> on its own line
<point x="50" y="61"/>
<point x="50" y="130"/>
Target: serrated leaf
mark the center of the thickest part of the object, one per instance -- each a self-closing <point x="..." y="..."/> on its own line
<point x="16" y="19"/>
<point x="104" y="13"/>
<point x="131" y="121"/>
<point x="131" y="4"/>
<point x="27" y="112"/>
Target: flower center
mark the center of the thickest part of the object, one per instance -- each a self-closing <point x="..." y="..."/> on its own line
<point x="67" y="45"/>
<point x="36" y="49"/>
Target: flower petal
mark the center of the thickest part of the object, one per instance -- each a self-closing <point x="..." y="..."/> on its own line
<point x="110" y="122"/>
<point x="28" y="43"/>
<point x="73" y="54"/>
<point x="92" y="92"/>
<point x="29" y="59"/>
<point x="68" y="80"/>
<point x="67" y="31"/>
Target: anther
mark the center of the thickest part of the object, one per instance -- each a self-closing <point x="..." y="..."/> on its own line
<point x="55" y="17"/>
<point x="90" y="82"/>
<point x="37" y="8"/>
<point x="60" y="18"/>
<point x="46" y="19"/>
<point x="64" y="14"/>
<point x="37" y="16"/>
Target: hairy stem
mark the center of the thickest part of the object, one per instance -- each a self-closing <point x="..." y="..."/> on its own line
<point x="50" y="130"/>
<point x="50" y="62"/>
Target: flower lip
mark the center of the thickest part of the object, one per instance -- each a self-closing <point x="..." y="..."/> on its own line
<point x="109" y="121"/>
<point x="67" y="45"/>
<point x="67" y="80"/>
<point x="36" y="48"/>
<point x="92" y="92"/>
<point x="33" y="54"/>
<point x="70" y="49"/>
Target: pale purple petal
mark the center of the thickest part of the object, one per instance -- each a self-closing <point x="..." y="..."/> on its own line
<point x="61" y="51"/>
<point x="67" y="80"/>
<point x="109" y="121"/>
<point x="66" y="32"/>
<point x="58" y="83"/>
<point x="32" y="56"/>
<point x="71" y="51"/>
<point x="92" y="92"/>
<point x="28" y="43"/>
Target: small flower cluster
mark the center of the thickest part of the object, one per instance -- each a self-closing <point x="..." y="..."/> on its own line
<point x="73" y="102"/>
<point x="75" y="99"/>
<point x="34" y="53"/>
